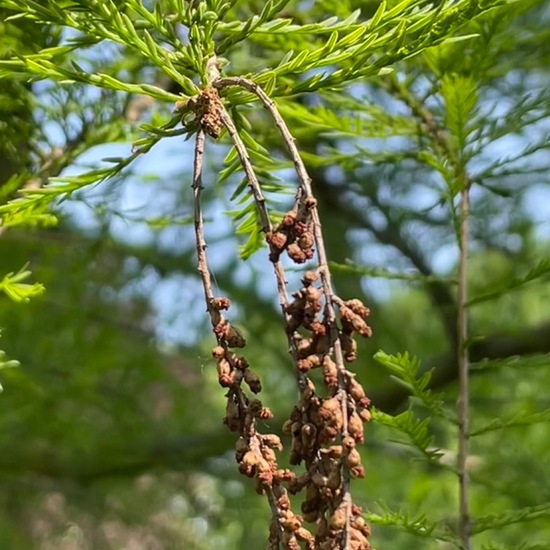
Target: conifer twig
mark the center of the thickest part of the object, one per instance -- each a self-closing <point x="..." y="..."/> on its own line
<point x="315" y="421"/>
<point x="464" y="523"/>
<point x="305" y="184"/>
<point x="199" y="223"/>
<point x="247" y="430"/>
<point x="442" y="144"/>
<point x="253" y="182"/>
<point x="259" y="200"/>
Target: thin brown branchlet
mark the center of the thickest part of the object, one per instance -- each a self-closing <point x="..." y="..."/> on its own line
<point x="326" y="425"/>
<point x="302" y="220"/>
<point x="255" y="452"/>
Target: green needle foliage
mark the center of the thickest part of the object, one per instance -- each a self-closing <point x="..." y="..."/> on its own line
<point x="345" y="49"/>
<point x="424" y="127"/>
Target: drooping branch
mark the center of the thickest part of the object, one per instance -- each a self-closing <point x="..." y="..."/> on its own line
<point x="255" y="452"/>
<point x="316" y="421"/>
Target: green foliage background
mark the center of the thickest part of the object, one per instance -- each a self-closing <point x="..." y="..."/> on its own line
<point x="110" y="429"/>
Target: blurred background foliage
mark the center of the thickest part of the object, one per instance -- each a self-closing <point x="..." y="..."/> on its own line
<point x="111" y="430"/>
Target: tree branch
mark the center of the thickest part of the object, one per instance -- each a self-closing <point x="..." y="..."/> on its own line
<point x="497" y="346"/>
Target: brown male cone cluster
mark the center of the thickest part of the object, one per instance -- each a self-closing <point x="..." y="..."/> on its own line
<point x="207" y="109"/>
<point x="294" y="234"/>
<point x="255" y="452"/>
<point x="321" y="437"/>
<point x="316" y="424"/>
<point x="325" y="430"/>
